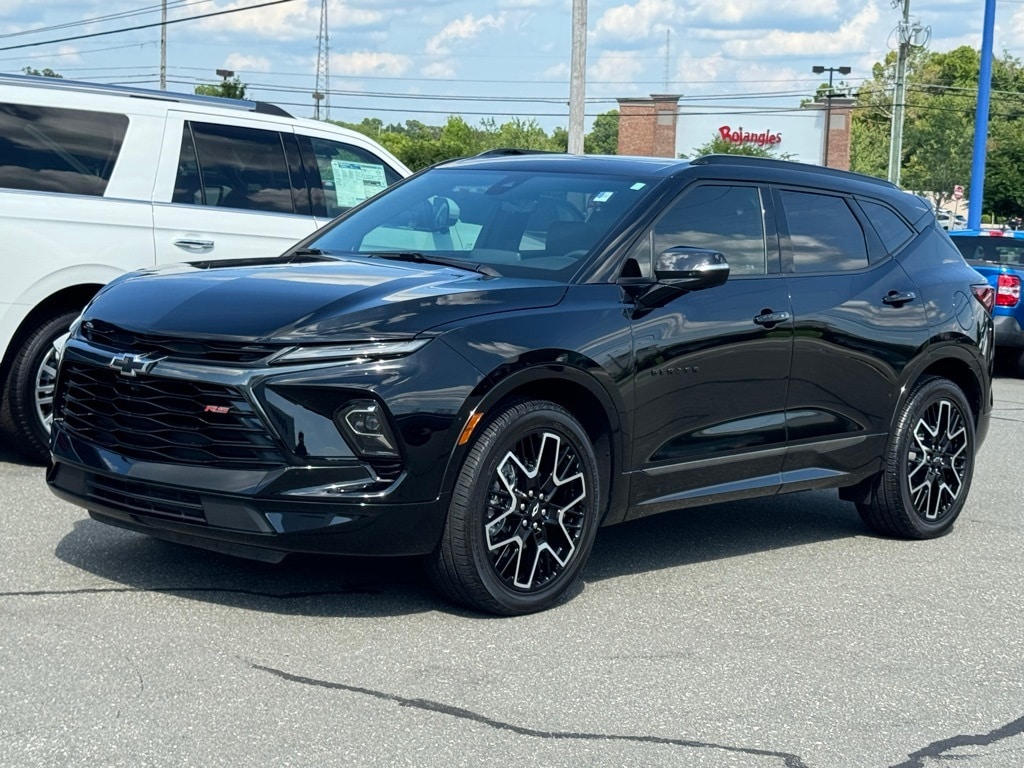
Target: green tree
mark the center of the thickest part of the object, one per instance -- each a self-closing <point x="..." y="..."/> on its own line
<point x="45" y="72"/>
<point x="719" y="146"/>
<point x="232" y="88"/>
<point x="603" y="138"/>
<point x="938" y="130"/>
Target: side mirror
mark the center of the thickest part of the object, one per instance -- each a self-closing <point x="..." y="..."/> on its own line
<point x="683" y="269"/>
<point x="444" y="214"/>
<point x="692" y="269"/>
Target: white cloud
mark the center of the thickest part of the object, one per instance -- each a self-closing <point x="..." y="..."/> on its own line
<point x="369" y="63"/>
<point x="744" y="11"/>
<point x="634" y="22"/>
<point x="439" y="69"/>
<point x="240" y="62"/>
<point x="295" y="20"/>
<point x="618" y="67"/>
<point x="855" y="34"/>
<point x="68" y="54"/>
<point x="466" y="28"/>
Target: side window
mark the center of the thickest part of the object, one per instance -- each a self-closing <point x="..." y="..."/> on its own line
<point x="892" y="230"/>
<point x="237" y="168"/>
<point x="726" y="219"/>
<point x="48" y="149"/>
<point x="348" y="174"/>
<point x="824" y="233"/>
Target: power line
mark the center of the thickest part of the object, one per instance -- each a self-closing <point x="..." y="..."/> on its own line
<point x="108" y="17"/>
<point x="144" y="26"/>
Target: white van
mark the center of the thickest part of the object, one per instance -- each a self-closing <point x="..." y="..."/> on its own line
<point x="98" y="180"/>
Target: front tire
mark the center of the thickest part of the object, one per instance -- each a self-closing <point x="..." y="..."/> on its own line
<point x="928" y="466"/>
<point x="27" y="410"/>
<point x="524" y="512"/>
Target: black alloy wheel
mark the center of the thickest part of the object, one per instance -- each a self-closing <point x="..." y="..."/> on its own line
<point x="524" y="513"/>
<point x="928" y="467"/>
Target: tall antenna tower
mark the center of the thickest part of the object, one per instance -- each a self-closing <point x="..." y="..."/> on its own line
<point x="323" y="67"/>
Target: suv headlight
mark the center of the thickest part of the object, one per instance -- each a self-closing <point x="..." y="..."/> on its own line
<point x="355" y="353"/>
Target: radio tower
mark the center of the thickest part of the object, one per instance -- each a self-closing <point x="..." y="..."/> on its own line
<point x="323" y="66"/>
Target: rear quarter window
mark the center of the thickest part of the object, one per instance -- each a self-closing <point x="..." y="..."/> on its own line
<point x="51" y="149"/>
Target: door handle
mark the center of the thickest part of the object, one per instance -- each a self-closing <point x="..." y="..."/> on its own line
<point x="195" y="246"/>
<point x="898" y="299"/>
<point x="768" y="318"/>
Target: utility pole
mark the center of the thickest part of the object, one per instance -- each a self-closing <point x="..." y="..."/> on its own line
<point x="578" y="76"/>
<point x="163" y="45"/>
<point x="900" y="95"/>
<point x="981" y="118"/>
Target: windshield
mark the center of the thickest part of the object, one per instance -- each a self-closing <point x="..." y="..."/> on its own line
<point x="520" y="223"/>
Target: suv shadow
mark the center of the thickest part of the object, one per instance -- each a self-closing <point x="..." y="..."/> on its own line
<point x="311" y="585"/>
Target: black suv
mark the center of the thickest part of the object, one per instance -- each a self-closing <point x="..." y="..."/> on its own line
<point x="497" y="356"/>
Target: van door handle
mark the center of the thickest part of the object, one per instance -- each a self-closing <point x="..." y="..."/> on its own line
<point x="195" y="246"/>
<point x="897" y="299"/>
<point x="768" y="318"/>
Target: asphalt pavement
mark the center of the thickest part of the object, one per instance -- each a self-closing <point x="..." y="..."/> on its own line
<point x="776" y="632"/>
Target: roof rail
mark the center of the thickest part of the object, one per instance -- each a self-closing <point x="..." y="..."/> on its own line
<point x="770" y="162"/>
<point x="507" y="151"/>
<point x="59" y="83"/>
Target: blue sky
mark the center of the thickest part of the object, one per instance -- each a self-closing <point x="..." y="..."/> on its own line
<point x="426" y="59"/>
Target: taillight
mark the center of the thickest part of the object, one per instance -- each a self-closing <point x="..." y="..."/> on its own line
<point x="1008" y="292"/>
<point x="986" y="294"/>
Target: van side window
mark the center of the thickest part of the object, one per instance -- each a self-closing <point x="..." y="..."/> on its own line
<point x="229" y="166"/>
<point x="347" y="174"/>
<point x="50" y="149"/>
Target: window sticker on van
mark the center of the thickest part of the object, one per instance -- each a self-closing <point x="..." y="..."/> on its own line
<point x="354" y="182"/>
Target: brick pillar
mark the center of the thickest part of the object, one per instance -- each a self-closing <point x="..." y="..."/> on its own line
<point x="648" y="126"/>
<point x="838" y="132"/>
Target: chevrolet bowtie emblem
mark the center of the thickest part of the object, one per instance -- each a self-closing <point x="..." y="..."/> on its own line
<point x="131" y="365"/>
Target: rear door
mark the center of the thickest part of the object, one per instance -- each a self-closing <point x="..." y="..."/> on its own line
<point x="858" y="321"/>
<point x="233" y="188"/>
<point x="712" y="366"/>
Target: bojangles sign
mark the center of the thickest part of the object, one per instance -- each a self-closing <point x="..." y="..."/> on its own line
<point x="739" y="136"/>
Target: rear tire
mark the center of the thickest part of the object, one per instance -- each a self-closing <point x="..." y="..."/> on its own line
<point x="27" y="408"/>
<point x="928" y="466"/>
<point x="524" y="512"/>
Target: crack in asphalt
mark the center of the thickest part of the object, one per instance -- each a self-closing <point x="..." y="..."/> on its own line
<point x="938" y="748"/>
<point x="788" y="760"/>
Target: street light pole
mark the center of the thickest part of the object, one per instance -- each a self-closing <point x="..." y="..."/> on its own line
<point x="818" y="70"/>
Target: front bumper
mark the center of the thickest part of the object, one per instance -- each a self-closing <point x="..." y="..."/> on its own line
<point x="258" y="514"/>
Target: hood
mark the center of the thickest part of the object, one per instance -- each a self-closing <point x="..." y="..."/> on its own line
<point x="324" y="301"/>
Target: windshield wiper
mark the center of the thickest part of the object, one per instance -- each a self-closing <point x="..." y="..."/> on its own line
<point x="305" y="253"/>
<point x="423" y="258"/>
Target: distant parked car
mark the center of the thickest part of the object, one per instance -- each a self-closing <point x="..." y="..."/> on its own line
<point x="98" y="180"/>
<point x="493" y="358"/>
<point x="998" y="254"/>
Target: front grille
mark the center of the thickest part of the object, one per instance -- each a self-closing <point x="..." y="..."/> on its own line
<point x="164" y="420"/>
<point x="143" y="499"/>
<point x="191" y="350"/>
